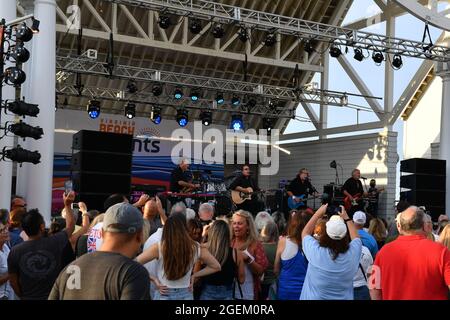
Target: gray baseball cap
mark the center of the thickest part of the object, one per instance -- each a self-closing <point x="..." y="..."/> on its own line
<point x="123" y="218"/>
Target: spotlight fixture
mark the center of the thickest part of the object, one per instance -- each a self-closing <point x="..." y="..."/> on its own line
<point x="35" y="25"/>
<point x="24" y="130"/>
<point x="267" y="124"/>
<point x="251" y="103"/>
<point x="308" y="47"/>
<point x="236" y="123"/>
<point x="359" y="56"/>
<point x="195" y="26"/>
<point x="218" y="31"/>
<point x="344" y="100"/>
<point x="155" y="115"/>
<point x="178" y="94"/>
<point x="21" y="108"/>
<point x="235" y="101"/>
<point x="20" y="53"/>
<point x="130" y="110"/>
<point x="14" y="76"/>
<point x="182" y="117"/>
<point x="195" y="95"/>
<point x="397" y="61"/>
<point x="157" y="90"/>
<point x="21" y="155"/>
<point x="377" y="57"/>
<point x="335" y="51"/>
<point x="219" y="98"/>
<point x="243" y="34"/>
<point x="164" y="21"/>
<point x="270" y="39"/>
<point x="93" y="109"/>
<point x="206" y="117"/>
<point x="132" y="87"/>
<point x="24" y="33"/>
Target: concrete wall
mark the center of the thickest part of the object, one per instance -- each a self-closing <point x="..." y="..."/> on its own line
<point x="374" y="154"/>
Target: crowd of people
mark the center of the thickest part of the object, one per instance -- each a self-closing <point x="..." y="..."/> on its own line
<point x="139" y="251"/>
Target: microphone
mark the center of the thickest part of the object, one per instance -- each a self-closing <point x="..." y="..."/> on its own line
<point x="364" y="178"/>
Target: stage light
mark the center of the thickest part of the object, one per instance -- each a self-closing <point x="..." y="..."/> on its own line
<point x="155" y="115"/>
<point x="21" y="108"/>
<point x="335" y="51"/>
<point x="21" y="155"/>
<point x="270" y="39"/>
<point x="344" y="100"/>
<point x="218" y="31"/>
<point x="24" y="130"/>
<point x="242" y="34"/>
<point x="251" y="103"/>
<point x="359" y="56"/>
<point x="236" y="123"/>
<point x="20" y="53"/>
<point x="195" y="95"/>
<point x="132" y="87"/>
<point x="164" y="21"/>
<point x="377" y="57"/>
<point x="182" y="118"/>
<point x="195" y="26"/>
<point x="267" y="124"/>
<point x="333" y="164"/>
<point x="206" y="117"/>
<point x="397" y="62"/>
<point x="178" y="94"/>
<point x="219" y="98"/>
<point x="14" y="76"/>
<point x="35" y="25"/>
<point x="308" y="47"/>
<point x="130" y="110"/>
<point x="24" y="33"/>
<point x="157" y="90"/>
<point x="235" y="101"/>
<point x="93" y="109"/>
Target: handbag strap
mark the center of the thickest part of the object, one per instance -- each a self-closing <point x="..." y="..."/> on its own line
<point x="236" y="278"/>
<point x="362" y="270"/>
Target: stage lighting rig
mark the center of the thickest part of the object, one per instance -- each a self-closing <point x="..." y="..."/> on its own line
<point x="19" y="53"/>
<point x="335" y="51"/>
<point x="195" y="26"/>
<point x="377" y="57"/>
<point x="93" y="109"/>
<point x="132" y="87"/>
<point x="195" y="95"/>
<point x="268" y="124"/>
<point x="220" y="99"/>
<point x="14" y="76"/>
<point x="164" y="21"/>
<point x="270" y="39"/>
<point x="243" y="34"/>
<point x="155" y="115"/>
<point x="157" y="90"/>
<point x="21" y="155"/>
<point x="21" y="108"/>
<point x="359" y="56"/>
<point x="235" y="101"/>
<point x="24" y="130"/>
<point x="206" y="117"/>
<point x="397" y="62"/>
<point x="178" y="94"/>
<point x="237" y="124"/>
<point x="182" y="117"/>
<point x="130" y="110"/>
<point x="218" y="31"/>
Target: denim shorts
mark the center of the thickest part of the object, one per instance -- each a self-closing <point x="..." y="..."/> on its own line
<point x="210" y="292"/>
<point x="175" y="294"/>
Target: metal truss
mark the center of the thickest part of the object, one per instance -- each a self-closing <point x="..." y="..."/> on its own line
<point x="208" y="10"/>
<point x="78" y="64"/>
<point x="147" y="98"/>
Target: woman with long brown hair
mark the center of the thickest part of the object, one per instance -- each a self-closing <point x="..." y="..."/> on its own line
<point x="245" y="238"/>
<point x="177" y="254"/>
<point x="290" y="261"/>
<point x="378" y="231"/>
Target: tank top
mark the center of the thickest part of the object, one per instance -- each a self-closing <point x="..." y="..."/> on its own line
<point x="292" y="273"/>
<point x="182" y="282"/>
<point x="226" y="275"/>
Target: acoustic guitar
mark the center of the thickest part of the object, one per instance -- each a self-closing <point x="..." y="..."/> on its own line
<point x="239" y="197"/>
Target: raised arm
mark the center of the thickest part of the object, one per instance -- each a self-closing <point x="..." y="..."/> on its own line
<point x="308" y="230"/>
<point x="70" y="219"/>
<point x="84" y="225"/>
<point x="161" y="211"/>
<point x="349" y="222"/>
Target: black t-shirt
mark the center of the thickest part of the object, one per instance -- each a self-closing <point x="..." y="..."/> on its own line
<point x="81" y="247"/>
<point x="226" y="275"/>
<point x="177" y="175"/>
<point x="104" y="276"/>
<point x="244" y="182"/>
<point x="353" y="186"/>
<point x="37" y="264"/>
<point x="299" y="188"/>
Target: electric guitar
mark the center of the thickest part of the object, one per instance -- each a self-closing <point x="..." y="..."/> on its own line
<point x="239" y="197"/>
<point x="348" y="204"/>
<point x="293" y="204"/>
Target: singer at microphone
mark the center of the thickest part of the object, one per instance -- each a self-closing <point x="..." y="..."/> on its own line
<point x="353" y="188"/>
<point x="300" y="188"/>
<point x="364" y="178"/>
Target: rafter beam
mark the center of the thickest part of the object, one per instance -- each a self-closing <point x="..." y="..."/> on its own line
<point x="96" y="15"/>
<point x="134" y="22"/>
<point x="311" y="114"/>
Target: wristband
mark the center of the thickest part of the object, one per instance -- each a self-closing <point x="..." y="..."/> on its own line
<point x="347" y="220"/>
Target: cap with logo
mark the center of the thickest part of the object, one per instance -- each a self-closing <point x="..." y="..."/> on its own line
<point x="123" y="218"/>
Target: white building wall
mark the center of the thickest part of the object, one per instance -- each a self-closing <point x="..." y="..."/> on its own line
<point x="374" y="154"/>
<point x="423" y="126"/>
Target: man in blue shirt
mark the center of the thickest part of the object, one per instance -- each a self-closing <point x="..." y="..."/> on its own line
<point x="359" y="219"/>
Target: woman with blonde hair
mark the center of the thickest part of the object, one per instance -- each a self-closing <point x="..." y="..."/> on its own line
<point x="378" y="230"/>
<point x="245" y="238"/>
<point x="444" y="238"/>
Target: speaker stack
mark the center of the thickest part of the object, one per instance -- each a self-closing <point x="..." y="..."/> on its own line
<point x="102" y="166"/>
<point x="425" y="180"/>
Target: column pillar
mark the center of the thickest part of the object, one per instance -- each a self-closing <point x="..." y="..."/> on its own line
<point x="42" y="92"/>
<point x="444" y="143"/>
<point x="7" y="12"/>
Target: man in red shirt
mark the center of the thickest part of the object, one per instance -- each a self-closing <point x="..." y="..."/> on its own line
<point x="411" y="267"/>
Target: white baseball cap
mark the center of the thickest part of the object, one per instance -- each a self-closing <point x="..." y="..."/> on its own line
<point x="336" y="228"/>
<point x="359" y="217"/>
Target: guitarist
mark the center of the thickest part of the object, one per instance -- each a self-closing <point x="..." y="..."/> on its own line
<point x="180" y="180"/>
<point x="352" y="187"/>
<point x="243" y="183"/>
<point x="301" y="187"/>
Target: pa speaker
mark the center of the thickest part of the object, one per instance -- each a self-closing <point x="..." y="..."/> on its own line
<point x="423" y="166"/>
<point x="98" y="141"/>
<point x="101" y="162"/>
<point x="424" y="197"/>
<point x="101" y="183"/>
<point x="423" y="181"/>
